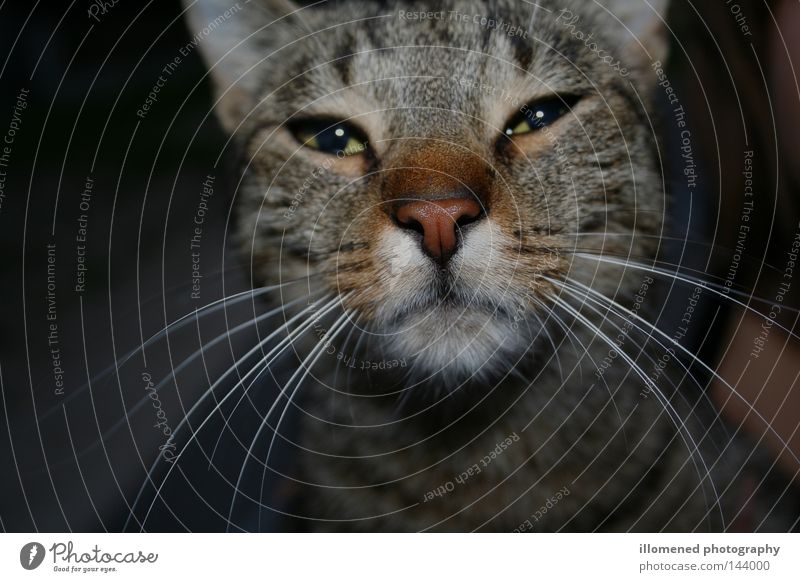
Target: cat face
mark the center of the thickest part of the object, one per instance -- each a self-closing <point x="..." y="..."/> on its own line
<point x="437" y="164"/>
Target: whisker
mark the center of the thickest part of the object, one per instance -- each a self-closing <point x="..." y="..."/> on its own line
<point x="313" y="354"/>
<point x="680" y="424"/>
<point x="714" y="373"/>
<point x="570" y="287"/>
<point x="629" y="257"/>
<point x="122" y="422"/>
<point x="179" y="323"/>
<point x="344" y="348"/>
<point x="568" y="333"/>
<point x="690" y="281"/>
<point x="585" y="352"/>
<point x="685" y="242"/>
<point x="356" y="350"/>
<point x="192" y="437"/>
<point x="264" y="363"/>
<point x="334" y="331"/>
<point x="700" y="362"/>
<point x="642" y="351"/>
<point x="549" y="337"/>
<point x="583" y="349"/>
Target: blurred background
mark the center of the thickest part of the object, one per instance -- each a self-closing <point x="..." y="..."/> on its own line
<point x="100" y="190"/>
<point x="97" y="225"/>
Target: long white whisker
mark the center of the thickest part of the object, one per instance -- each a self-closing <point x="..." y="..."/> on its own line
<point x="688" y="280"/>
<point x="334" y="331"/>
<point x="194" y="434"/>
<point x="345" y="346"/>
<point x="550" y="340"/>
<point x="579" y="291"/>
<point x="672" y="413"/>
<point x="707" y="368"/>
<point x="188" y="415"/>
<point x="714" y="373"/>
<point x="356" y="349"/>
<point x="266" y="361"/>
<point x="581" y="297"/>
<point x="312" y="354"/>
<point x="330" y="335"/>
<point x="584" y="351"/>
<point x="659" y="263"/>
<point x="179" y="323"/>
<point x="568" y="333"/>
<point x="182" y="366"/>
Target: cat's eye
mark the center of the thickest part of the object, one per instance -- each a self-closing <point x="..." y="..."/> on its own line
<point x="339" y="138"/>
<point x="539" y="114"/>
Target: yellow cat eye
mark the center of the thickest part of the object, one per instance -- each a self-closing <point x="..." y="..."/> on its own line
<point x="539" y="114"/>
<point x="331" y="137"/>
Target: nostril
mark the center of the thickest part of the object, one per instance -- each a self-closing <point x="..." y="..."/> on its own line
<point x="469" y="217"/>
<point x="409" y="223"/>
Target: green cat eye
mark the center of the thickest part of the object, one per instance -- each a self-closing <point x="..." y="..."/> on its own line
<point x="539" y="114"/>
<point x="338" y="138"/>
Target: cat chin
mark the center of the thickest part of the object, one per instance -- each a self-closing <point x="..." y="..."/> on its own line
<point x="474" y="345"/>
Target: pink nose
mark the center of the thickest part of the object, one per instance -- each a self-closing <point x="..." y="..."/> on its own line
<point x="439" y="222"/>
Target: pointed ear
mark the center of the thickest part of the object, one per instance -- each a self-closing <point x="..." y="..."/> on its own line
<point x="642" y="29"/>
<point x="234" y="39"/>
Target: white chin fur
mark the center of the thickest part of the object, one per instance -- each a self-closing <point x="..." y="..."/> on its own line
<point x="462" y="341"/>
<point x="463" y="344"/>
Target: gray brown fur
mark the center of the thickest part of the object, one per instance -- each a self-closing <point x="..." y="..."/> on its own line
<point x="395" y="79"/>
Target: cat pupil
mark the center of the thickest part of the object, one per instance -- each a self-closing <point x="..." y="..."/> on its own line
<point x="538" y="115"/>
<point x="333" y="140"/>
<point x="329" y="138"/>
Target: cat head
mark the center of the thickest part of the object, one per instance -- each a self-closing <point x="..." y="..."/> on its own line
<point x="437" y="165"/>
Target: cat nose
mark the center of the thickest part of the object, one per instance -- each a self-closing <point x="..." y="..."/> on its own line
<point x="439" y="222"/>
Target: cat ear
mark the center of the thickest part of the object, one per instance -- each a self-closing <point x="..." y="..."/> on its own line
<point x="643" y="31"/>
<point x="234" y="38"/>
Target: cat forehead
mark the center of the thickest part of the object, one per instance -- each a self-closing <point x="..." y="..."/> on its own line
<point x="430" y="38"/>
<point x="431" y="54"/>
<point x="276" y="54"/>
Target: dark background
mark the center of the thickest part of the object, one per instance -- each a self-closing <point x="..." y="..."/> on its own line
<point x="86" y="81"/>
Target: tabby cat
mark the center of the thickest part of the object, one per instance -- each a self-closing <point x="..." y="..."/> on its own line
<point x="458" y="201"/>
